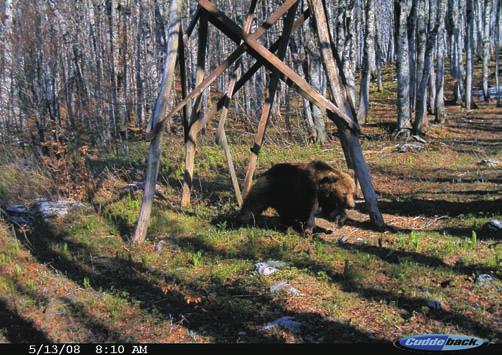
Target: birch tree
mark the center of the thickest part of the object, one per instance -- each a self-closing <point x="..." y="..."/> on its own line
<point x="497" y="50"/>
<point x="368" y="59"/>
<point x="487" y="18"/>
<point x="401" y="11"/>
<point x="437" y="9"/>
<point x="469" y="40"/>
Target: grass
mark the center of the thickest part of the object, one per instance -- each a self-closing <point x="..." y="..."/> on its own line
<point x="77" y="279"/>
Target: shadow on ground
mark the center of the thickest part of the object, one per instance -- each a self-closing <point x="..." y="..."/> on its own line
<point x="217" y="318"/>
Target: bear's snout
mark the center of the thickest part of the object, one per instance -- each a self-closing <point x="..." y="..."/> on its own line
<point x="350" y="202"/>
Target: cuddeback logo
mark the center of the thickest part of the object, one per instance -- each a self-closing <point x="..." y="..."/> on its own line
<point x="440" y="342"/>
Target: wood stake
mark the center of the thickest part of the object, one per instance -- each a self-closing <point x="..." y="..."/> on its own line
<point x="161" y="108"/>
<point x="221" y="137"/>
<point x="269" y="102"/>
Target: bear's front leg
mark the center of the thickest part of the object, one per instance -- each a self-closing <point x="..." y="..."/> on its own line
<point x="309" y="225"/>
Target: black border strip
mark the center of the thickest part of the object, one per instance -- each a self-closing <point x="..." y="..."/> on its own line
<point x="234" y="349"/>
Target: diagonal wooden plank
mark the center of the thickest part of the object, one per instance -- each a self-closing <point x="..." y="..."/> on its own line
<point x="265" y="26"/>
<point x="349" y="140"/>
<point x="191" y="26"/>
<point x="221" y="136"/>
<point x="251" y="71"/>
<point x="261" y="53"/>
<point x="269" y="102"/>
<point x="183" y="79"/>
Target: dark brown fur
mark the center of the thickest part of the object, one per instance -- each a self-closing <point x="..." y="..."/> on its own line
<point x="298" y="191"/>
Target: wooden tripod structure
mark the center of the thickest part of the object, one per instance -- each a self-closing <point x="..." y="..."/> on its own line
<point x="340" y="109"/>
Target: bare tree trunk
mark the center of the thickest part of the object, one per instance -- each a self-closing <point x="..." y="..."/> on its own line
<point x="422" y="10"/>
<point x="439" y="102"/>
<point x="301" y="61"/>
<point x="139" y="79"/>
<point x="379" y="58"/>
<point x="369" y="33"/>
<point x="412" y="50"/>
<point x="486" y="46"/>
<point x="437" y="9"/>
<point x="454" y="19"/>
<point x="431" y="87"/>
<point x="401" y="9"/>
<point x="345" y="40"/>
<point x="313" y="71"/>
<point x="477" y="40"/>
<point x="468" y="53"/>
<point x="113" y="104"/>
<point x="124" y="48"/>
<point x="497" y="51"/>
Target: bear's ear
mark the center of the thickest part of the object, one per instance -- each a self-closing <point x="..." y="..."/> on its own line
<point x="329" y="179"/>
<point x="352" y="173"/>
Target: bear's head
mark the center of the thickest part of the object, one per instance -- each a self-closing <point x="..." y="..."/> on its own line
<point x="336" y="192"/>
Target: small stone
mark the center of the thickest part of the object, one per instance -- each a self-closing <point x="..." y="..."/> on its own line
<point x="284" y="285"/>
<point x="494" y="225"/>
<point x="19" y="214"/>
<point x="405" y="147"/>
<point x="269" y="267"/>
<point x="265" y="269"/>
<point x="434" y="305"/>
<point x="159" y="245"/>
<point x="276" y="263"/>
<point x="286" y="322"/>
<point x="48" y="208"/>
<point x="484" y="279"/>
<point x="492" y="229"/>
<point x="17" y="209"/>
<point x="491" y="163"/>
<point x="419" y="139"/>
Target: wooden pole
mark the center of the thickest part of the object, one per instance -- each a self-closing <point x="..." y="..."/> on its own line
<point x="349" y="139"/>
<point x="161" y="108"/>
<point x="251" y="71"/>
<point x="261" y="53"/>
<point x="197" y="120"/>
<point x="183" y="78"/>
<point x="221" y="136"/>
<point x="236" y="54"/>
<point x="269" y="102"/>
<point x="190" y="142"/>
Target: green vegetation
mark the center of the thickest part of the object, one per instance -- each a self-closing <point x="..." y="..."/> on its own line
<point x="193" y="280"/>
<point x="196" y="265"/>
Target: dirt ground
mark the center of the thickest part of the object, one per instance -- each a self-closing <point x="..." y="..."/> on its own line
<point x="77" y="279"/>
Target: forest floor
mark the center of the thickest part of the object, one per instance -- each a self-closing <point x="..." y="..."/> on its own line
<point x="77" y="279"/>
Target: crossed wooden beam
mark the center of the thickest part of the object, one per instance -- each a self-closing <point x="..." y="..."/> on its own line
<point x="263" y="55"/>
<point x="342" y="113"/>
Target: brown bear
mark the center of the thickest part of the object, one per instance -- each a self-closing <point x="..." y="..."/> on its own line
<point x="298" y="191"/>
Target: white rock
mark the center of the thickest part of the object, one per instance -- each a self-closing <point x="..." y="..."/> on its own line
<point x="484" y="279"/>
<point x="50" y="209"/>
<point x="265" y="269"/>
<point x="284" y="285"/>
<point x="286" y="322"/>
